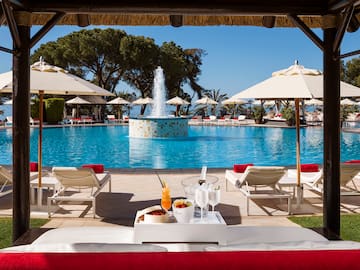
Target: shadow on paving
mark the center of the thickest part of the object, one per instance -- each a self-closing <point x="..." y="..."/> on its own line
<point x="117" y="208"/>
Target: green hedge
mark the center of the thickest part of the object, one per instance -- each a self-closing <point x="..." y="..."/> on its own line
<point x="54" y="110"/>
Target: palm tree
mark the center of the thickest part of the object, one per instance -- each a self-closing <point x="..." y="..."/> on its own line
<point x="215" y="95"/>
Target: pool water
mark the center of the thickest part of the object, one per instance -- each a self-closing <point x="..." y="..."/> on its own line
<point x="215" y="147"/>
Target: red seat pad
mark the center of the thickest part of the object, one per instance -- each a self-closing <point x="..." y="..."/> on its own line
<point x="240" y="168"/>
<point x="352" y="161"/>
<point x="309" y="167"/>
<point x="34" y="167"/>
<point x="98" y="168"/>
<point x="269" y="260"/>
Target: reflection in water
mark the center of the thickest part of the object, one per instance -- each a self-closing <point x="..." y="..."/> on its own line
<point x="143" y="152"/>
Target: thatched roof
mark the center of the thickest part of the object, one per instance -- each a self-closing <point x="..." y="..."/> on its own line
<point x="190" y="20"/>
<point x="177" y="13"/>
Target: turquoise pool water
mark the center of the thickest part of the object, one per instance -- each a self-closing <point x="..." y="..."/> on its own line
<point x="216" y="147"/>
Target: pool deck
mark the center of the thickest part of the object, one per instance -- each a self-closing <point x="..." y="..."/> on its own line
<point x="137" y="189"/>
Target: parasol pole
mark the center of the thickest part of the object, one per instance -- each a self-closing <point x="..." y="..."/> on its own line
<point x="41" y="113"/>
<point x="298" y="168"/>
<point x="41" y="97"/>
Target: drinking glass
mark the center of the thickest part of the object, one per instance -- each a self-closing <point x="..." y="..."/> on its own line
<point x="214" y="198"/>
<point x="201" y="199"/>
<point x="165" y="198"/>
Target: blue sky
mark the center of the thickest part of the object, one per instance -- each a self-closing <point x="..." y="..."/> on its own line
<point x="237" y="57"/>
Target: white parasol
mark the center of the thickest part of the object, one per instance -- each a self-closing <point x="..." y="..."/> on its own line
<point x="51" y="80"/>
<point x="177" y="101"/>
<point x="143" y="101"/>
<point x="295" y="82"/>
<point x="118" y="102"/>
<point x="347" y="102"/>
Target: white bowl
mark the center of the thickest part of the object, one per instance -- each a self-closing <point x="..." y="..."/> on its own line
<point x="185" y="214"/>
<point x="149" y="218"/>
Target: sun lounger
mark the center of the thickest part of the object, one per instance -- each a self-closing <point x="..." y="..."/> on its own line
<point x="79" y="179"/>
<point x="348" y="172"/>
<point x="259" y="182"/>
<point x="34" y="121"/>
<point x="6" y="180"/>
<point x="312" y="180"/>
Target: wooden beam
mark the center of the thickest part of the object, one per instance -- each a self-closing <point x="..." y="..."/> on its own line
<point x="340" y="5"/>
<point x="268" y="21"/>
<point x="353" y="24"/>
<point x="264" y="7"/>
<point x="350" y="54"/>
<point x="46" y="28"/>
<point x="307" y="31"/>
<point x="341" y="30"/>
<point x="176" y="20"/>
<point x="3" y="49"/>
<point x="11" y="22"/>
<point x="83" y="20"/>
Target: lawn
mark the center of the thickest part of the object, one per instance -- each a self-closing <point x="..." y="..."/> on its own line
<point x="349" y="225"/>
<point x="6" y="229"/>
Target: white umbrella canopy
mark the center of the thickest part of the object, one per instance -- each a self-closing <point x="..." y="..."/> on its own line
<point x="77" y="100"/>
<point x="294" y="82"/>
<point x="177" y="101"/>
<point x="118" y="101"/>
<point x="206" y="100"/>
<point x="53" y="81"/>
<point x="348" y="102"/>
<point x="143" y="101"/>
<point x="314" y="102"/>
<point x="268" y="103"/>
<point x="234" y="101"/>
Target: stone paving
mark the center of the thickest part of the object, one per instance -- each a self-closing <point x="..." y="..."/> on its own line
<point x="136" y="189"/>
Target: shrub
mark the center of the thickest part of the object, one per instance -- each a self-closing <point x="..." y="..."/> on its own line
<point x="54" y="109"/>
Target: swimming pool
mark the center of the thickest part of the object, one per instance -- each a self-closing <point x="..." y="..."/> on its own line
<point x="215" y="147"/>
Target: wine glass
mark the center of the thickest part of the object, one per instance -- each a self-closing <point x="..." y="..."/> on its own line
<point x="201" y="199"/>
<point x="165" y="198"/>
<point x="214" y="197"/>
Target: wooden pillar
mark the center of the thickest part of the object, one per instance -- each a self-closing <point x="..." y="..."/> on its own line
<point x="21" y="128"/>
<point x="331" y="165"/>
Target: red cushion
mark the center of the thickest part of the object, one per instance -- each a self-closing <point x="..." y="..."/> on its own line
<point x="34" y="167"/>
<point x="240" y="168"/>
<point x="309" y="167"/>
<point x="230" y="260"/>
<point x="352" y="161"/>
<point x="98" y="168"/>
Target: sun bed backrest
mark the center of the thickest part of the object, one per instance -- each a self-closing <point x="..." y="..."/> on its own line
<point x="76" y="177"/>
<point x="348" y="171"/>
<point x="262" y="175"/>
<point x="5" y="176"/>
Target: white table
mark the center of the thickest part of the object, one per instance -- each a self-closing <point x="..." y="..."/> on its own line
<point x="48" y="182"/>
<point x="212" y="229"/>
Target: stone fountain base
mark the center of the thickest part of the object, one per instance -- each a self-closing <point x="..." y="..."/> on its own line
<point x="148" y="127"/>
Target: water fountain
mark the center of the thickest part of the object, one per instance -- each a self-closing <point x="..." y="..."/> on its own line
<point x="158" y="124"/>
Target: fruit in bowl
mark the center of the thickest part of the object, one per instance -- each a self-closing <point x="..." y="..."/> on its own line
<point x="183" y="210"/>
<point x="153" y="214"/>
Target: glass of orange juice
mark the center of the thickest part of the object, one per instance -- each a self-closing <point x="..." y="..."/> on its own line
<point x="165" y="198"/>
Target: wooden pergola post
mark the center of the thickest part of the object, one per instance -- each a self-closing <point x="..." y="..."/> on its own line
<point x="331" y="198"/>
<point x="21" y="127"/>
